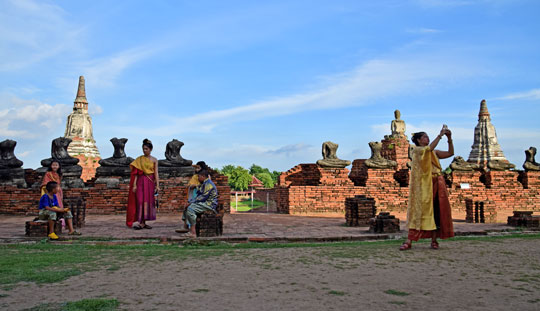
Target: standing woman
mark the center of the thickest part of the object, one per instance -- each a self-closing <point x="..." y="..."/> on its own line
<point x="144" y="183"/>
<point x="429" y="214"/>
<point x="54" y="173"/>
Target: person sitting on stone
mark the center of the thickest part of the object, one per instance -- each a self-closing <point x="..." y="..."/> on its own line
<point x="194" y="181"/>
<point x="206" y="200"/>
<point x="48" y="209"/>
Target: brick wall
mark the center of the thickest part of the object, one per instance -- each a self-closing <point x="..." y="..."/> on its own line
<point x="103" y="200"/>
<point x="89" y="165"/>
<point x="326" y="190"/>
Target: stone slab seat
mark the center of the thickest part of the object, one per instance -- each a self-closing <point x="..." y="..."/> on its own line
<point x="39" y="228"/>
<point x="210" y="223"/>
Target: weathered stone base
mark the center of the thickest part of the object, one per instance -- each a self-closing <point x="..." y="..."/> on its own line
<point x="13" y="177"/>
<point x="384" y="223"/>
<point x="39" y="228"/>
<point x="359" y="210"/>
<point x="209" y="224"/>
<point x="524" y="219"/>
<point x="170" y="172"/>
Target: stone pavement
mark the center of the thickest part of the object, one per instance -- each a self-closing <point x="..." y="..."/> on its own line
<point x="239" y="227"/>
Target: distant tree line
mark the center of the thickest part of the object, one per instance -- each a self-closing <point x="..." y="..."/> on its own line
<point x="240" y="178"/>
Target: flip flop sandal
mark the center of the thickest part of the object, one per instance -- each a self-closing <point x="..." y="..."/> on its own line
<point x="405" y="246"/>
<point x="146" y="227"/>
<point x="434" y="245"/>
<point x="181" y="230"/>
<point x="74" y="233"/>
<point x="137" y="227"/>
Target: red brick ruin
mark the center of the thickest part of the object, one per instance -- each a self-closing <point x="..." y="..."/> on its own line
<point x="308" y="189"/>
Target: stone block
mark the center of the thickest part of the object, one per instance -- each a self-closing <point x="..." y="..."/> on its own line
<point x="384" y="223"/>
<point x="39" y="228"/>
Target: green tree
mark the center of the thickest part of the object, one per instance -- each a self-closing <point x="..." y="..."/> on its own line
<point x="275" y="176"/>
<point x="239" y="178"/>
<point x="266" y="179"/>
<point x="256" y="169"/>
<point x="228" y="169"/>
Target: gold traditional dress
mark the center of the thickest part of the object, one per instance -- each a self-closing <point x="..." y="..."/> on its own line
<point x="141" y="204"/>
<point x="429" y="207"/>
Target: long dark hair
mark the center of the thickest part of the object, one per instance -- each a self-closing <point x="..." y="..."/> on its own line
<point x="146" y="142"/>
<point x="202" y="165"/>
<point x="416" y="137"/>
<point x="59" y="171"/>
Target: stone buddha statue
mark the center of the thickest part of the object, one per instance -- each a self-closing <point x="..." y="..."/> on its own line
<point x="530" y="163"/>
<point x="377" y="160"/>
<point x="398" y="126"/>
<point x="330" y="159"/>
<point x="119" y="157"/>
<point x="499" y="165"/>
<point x="11" y="171"/>
<point x="172" y="155"/>
<point x="459" y="164"/>
<point x="7" y="155"/>
<point x="59" y="153"/>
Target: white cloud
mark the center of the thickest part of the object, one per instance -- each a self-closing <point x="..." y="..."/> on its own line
<point x="292" y="149"/>
<point x="29" y="119"/>
<point x="442" y="3"/>
<point x="32" y="31"/>
<point x="432" y="129"/>
<point x="94" y="109"/>
<point x="374" y="80"/>
<point x="24" y="154"/>
<point x="424" y="30"/>
<point x="274" y="157"/>
<point x="533" y="94"/>
<point x="103" y="72"/>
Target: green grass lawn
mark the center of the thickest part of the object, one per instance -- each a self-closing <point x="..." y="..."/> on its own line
<point x="244" y="206"/>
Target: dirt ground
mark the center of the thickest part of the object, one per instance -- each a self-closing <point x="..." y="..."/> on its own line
<point x="478" y="274"/>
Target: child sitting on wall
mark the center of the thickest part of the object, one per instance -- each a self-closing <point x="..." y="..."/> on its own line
<point x="48" y="209"/>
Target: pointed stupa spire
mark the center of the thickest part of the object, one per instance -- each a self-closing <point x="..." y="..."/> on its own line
<point x="484" y="113"/>
<point x="80" y="100"/>
<point x="79" y="130"/>
<point x="485" y="147"/>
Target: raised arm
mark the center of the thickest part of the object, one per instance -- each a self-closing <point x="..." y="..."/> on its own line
<point x="437" y="139"/>
<point x="450" y="152"/>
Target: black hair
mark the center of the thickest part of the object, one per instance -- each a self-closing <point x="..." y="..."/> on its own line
<point x="59" y="171"/>
<point x="416" y="137"/>
<point x="202" y="165"/>
<point x="51" y="185"/>
<point x="146" y="142"/>
<point x="203" y="173"/>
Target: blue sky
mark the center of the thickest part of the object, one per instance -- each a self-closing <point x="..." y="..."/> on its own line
<point x="266" y="82"/>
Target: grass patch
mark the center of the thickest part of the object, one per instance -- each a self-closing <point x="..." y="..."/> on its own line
<point x="49" y="263"/>
<point x="245" y="205"/>
<point x="201" y="290"/>
<point x="337" y="293"/>
<point x="43" y="263"/>
<point x="80" y="305"/>
<point x="396" y="293"/>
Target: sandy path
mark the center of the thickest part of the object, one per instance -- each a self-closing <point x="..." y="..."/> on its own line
<point x="472" y="275"/>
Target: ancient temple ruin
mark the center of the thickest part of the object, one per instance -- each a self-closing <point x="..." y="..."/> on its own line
<point x="487" y="178"/>
<point x="79" y="130"/>
<point x="486" y="148"/>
